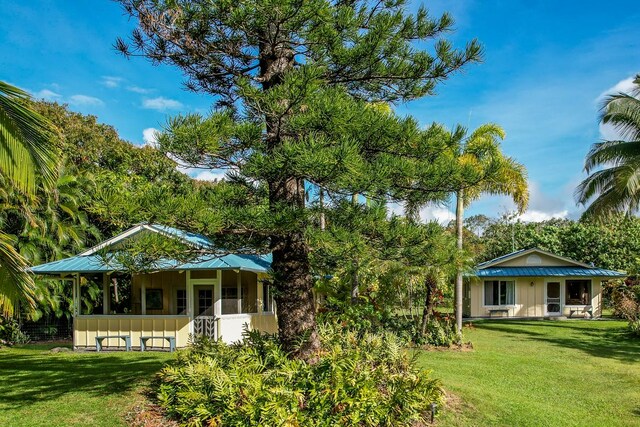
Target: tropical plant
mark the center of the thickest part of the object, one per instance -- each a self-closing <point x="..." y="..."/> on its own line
<point x="27" y="159"/>
<point x="616" y="187"/>
<point x="296" y="85"/>
<point x="358" y="380"/>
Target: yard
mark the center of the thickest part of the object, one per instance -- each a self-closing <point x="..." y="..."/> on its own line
<point x="542" y="373"/>
<point x="40" y="388"/>
<point x="520" y="373"/>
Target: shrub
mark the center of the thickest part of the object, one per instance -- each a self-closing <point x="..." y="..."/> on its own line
<point x="625" y="298"/>
<point x="365" y="317"/>
<point x="358" y="380"/>
<point x="10" y="332"/>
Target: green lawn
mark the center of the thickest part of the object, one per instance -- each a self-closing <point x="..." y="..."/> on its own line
<point x="542" y="373"/>
<point x="40" y="388"/>
<point x="520" y="373"/>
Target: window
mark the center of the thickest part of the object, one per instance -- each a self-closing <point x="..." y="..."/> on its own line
<point x="499" y="292"/>
<point x="153" y="298"/>
<point x="181" y="301"/>
<point x="229" y="298"/>
<point x="205" y="302"/>
<point x="578" y="292"/>
<point x="266" y="297"/>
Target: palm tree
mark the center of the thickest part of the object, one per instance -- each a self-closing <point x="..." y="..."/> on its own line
<point x="616" y="188"/>
<point x="27" y="158"/>
<point x="483" y="169"/>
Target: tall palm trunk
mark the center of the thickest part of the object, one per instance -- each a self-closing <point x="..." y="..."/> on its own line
<point x="458" y="288"/>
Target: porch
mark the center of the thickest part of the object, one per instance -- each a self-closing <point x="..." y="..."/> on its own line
<point x="171" y="303"/>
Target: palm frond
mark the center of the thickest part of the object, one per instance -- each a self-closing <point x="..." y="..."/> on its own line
<point x="16" y="284"/>
<point x="27" y="153"/>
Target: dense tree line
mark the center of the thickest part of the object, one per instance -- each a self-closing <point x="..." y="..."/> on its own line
<point x="612" y="243"/>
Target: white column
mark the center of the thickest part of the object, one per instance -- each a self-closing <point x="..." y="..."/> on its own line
<point x="143" y="297"/>
<point x="190" y="303"/>
<point x="106" y="294"/>
<point x="239" y="284"/>
<point x="76" y="294"/>
<point x="259" y="293"/>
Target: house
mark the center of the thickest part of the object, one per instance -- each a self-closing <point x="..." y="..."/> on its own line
<point x="214" y="295"/>
<point x="535" y="283"/>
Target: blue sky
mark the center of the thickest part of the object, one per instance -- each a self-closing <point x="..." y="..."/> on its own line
<point x="545" y="68"/>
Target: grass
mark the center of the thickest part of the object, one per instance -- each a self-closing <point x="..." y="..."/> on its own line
<point x="542" y="373"/>
<point x="520" y="373"/>
<point x="41" y="388"/>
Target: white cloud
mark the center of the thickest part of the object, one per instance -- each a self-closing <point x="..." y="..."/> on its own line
<point x="437" y="213"/>
<point x="161" y="104"/>
<point x="624" y="86"/>
<point x="211" y="175"/>
<point x="111" y="82"/>
<point x="538" y="216"/>
<point x="607" y="131"/>
<point x="85" y="100"/>
<point x="47" y="94"/>
<point x="150" y="137"/>
<point x="138" y="89"/>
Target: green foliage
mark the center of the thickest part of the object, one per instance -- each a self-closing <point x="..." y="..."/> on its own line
<point x="624" y="297"/>
<point x="613" y="243"/>
<point x="357" y="380"/>
<point x="10" y="332"/>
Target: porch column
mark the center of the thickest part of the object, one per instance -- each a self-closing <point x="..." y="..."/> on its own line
<point x="76" y="294"/>
<point x="239" y="285"/>
<point x="143" y="297"/>
<point x="259" y="294"/>
<point x="190" y="303"/>
<point x="106" y="294"/>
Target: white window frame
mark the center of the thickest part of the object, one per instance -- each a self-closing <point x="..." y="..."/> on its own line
<point x="501" y="279"/>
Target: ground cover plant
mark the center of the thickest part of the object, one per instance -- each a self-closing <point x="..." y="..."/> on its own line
<point x="357" y="380"/>
<point x="535" y="373"/>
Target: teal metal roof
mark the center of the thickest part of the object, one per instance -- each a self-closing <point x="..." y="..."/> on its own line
<point x="546" y="272"/>
<point x="94" y="263"/>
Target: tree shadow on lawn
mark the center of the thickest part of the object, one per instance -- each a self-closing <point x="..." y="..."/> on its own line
<point x="29" y="378"/>
<point x="586" y="336"/>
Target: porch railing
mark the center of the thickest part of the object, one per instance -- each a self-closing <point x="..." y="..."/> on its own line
<point x="206" y="325"/>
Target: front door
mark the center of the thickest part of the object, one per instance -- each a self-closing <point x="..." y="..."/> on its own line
<point x="552" y="302"/>
<point x="204" y="322"/>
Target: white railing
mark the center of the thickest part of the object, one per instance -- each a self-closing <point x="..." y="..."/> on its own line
<point x="206" y="325"/>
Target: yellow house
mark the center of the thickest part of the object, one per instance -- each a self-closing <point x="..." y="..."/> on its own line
<point x="535" y="283"/>
<point x="215" y="296"/>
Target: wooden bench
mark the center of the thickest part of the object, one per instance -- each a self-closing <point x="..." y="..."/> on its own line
<point x="126" y="338"/>
<point x="498" y="310"/>
<point x="583" y="310"/>
<point x="172" y="342"/>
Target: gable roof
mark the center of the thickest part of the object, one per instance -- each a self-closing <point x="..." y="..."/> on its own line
<point x="90" y="261"/>
<point x="522" y="252"/>
<point x="494" y="268"/>
<point x="193" y="239"/>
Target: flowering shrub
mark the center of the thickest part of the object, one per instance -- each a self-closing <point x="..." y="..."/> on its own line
<point x="357" y="380"/>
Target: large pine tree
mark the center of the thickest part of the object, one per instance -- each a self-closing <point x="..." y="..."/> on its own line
<point x="296" y="85"/>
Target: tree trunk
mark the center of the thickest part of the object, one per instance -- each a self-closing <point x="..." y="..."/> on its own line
<point x="458" y="289"/>
<point x="292" y="279"/>
<point x="431" y="284"/>
<point x="355" y="282"/>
